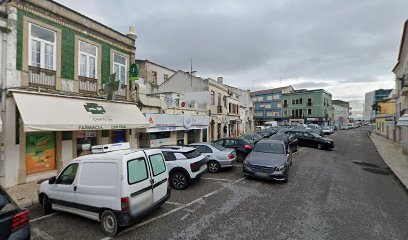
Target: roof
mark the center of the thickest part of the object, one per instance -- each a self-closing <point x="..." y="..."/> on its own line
<point x="303" y="91"/>
<point x="114" y="155"/>
<point x="145" y="60"/>
<point x="404" y="32"/>
<point x="271" y="89"/>
<point x="170" y="148"/>
<point x="270" y="141"/>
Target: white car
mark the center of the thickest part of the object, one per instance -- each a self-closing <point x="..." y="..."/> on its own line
<point x="216" y="156"/>
<point x="185" y="165"/>
<point x="116" y="186"/>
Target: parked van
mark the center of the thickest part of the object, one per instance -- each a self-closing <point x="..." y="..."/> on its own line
<point x="114" y="185"/>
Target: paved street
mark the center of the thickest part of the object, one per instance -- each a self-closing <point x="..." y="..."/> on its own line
<point x="346" y="193"/>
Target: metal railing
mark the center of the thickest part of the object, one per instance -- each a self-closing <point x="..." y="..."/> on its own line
<point x="88" y="85"/>
<point x="40" y="77"/>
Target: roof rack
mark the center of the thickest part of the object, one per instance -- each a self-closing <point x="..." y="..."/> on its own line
<point x="110" y="147"/>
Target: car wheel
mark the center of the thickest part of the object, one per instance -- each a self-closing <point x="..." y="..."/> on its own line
<point x="240" y="157"/>
<point x="319" y="146"/>
<point x="179" y="180"/>
<point x="46" y="205"/>
<point x="213" y="166"/>
<point x="286" y="180"/>
<point x="109" y="223"/>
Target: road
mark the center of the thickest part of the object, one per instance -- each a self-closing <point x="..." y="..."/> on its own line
<point x="346" y="193"/>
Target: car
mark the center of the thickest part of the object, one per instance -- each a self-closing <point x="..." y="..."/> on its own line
<point x="252" y="137"/>
<point x="311" y="139"/>
<point x="268" y="160"/>
<point x="14" y="221"/>
<point x="315" y="128"/>
<point x="185" y="165"/>
<point x="328" y="130"/>
<point x="291" y="142"/>
<point x="267" y="132"/>
<point x="115" y="185"/>
<point x="242" y="146"/>
<point x="216" y="156"/>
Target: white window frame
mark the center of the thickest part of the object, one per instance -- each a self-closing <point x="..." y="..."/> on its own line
<point x="87" y="60"/>
<point x="42" y="48"/>
<point x="120" y="65"/>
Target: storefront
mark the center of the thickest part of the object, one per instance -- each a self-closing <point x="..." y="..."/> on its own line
<point x="174" y="129"/>
<point x="54" y="129"/>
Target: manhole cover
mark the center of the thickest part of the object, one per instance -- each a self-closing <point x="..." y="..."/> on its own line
<point x="365" y="164"/>
<point x="377" y="171"/>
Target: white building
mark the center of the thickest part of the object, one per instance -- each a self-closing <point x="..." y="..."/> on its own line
<point x="341" y="112"/>
<point x="368" y="106"/>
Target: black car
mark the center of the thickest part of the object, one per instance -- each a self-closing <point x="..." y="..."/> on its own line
<point x="242" y="146"/>
<point x="14" y="221"/>
<point x="252" y="137"/>
<point x="267" y="132"/>
<point x="311" y="139"/>
<point x="291" y="142"/>
<point x="268" y="160"/>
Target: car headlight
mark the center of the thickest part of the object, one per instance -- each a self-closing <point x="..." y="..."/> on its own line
<point x="280" y="168"/>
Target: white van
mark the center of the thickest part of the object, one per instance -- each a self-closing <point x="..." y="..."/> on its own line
<point x="116" y="186"/>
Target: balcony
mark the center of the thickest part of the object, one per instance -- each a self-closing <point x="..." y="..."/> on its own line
<point x="122" y="91"/>
<point x="39" y="77"/>
<point x="88" y="85"/>
<point x="219" y="109"/>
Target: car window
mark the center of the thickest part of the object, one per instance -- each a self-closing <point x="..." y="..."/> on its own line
<point x="158" y="164"/>
<point x="191" y="154"/>
<point x="219" y="147"/>
<point x="269" y="148"/>
<point x="5" y="204"/>
<point x="229" y="142"/>
<point x="169" y="156"/>
<point x="137" y="170"/>
<point x="67" y="177"/>
<point x="219" y="142"/>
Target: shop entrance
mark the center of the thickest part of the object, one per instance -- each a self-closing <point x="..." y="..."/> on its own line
<point x="85" y="141"/>
<point x="118" y="136"/>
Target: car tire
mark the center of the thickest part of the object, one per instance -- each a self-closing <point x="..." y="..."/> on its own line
<point x="179" y="180"/>
<point x="240" y="157"/>
<point x="319" y="146"/>
<point x="213" y="166"/>
<point x="109" y="223"/>
<point x="286" y="180"/>
<point x="46" y="205"/>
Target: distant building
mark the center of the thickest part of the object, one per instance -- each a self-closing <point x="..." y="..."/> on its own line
<point x="153" y="74"/>
<point x="341" y="112"/>
<point x="371" y="100"/>
<point x="385" y="117"/>
<point x="268" y="105"/>
<point x="308" y="106"/>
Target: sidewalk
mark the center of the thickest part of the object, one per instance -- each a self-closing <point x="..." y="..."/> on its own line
<point x="24" y="195"/>
<point x="393" y="157"/>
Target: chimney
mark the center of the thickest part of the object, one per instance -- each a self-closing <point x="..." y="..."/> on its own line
<point x="132" y="32"/>
<point x="220" y="80"/>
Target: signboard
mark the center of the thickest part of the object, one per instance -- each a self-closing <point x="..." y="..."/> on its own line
<point x="171" y="122"/>
<point x="40" y="152"/>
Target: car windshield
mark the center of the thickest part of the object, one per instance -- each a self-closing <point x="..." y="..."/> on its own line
<point x="274" y="148"/>
<point x="326" y="128"/>
<point x="191" y="154"/>
<point x="219" y="147"/>
<point x="315" y="134"/>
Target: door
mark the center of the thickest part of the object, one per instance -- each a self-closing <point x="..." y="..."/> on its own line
<point x="309" y="139"/>
<point x="138" y="185"/>
<point x="63" y="191"/>
<point x="159" y="175"/>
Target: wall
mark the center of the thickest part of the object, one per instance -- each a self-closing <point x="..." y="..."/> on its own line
<point x="317" y="97"/>
<point x="146" y="69"/>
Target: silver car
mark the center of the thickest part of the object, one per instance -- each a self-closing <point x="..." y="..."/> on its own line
<point x="217" y="156"/>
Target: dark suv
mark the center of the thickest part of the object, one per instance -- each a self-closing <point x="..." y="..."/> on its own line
<point x="242" y="146"/>
<point x="14" y="221"/>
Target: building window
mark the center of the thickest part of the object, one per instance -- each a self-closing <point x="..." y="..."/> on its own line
<point x="120" y="68"/>
<point x="268" y="105"/>
<point x="42" y="47"/>
<point x="260" y="99"/>
<point x="88" y="55"/>
<point x="293" y="101"/>
<point x="276" y="97"/>
<point x="309" y="102"/>
<point x="212" y="98"/>
<point x="154" y="77"/>
<point x="165" y="77"/>
<point x="297" y="101"/>
<point x="285" y="112"/>
<point x="219" y="99"/>
<point x="301" y="101"/>
<point x="300" y="112"/>
<point x="309" y="111"/>
<point x="285" y="103"/>
<point x="269" y="98"/>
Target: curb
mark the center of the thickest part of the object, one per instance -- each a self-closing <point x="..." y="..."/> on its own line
<point x="405" y="185"/>
<point x="27" y="203"/>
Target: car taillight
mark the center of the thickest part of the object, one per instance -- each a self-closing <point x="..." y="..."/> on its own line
<point x="231" y="156"/>
<point x="249" y="147"/>
<point x="19" y="221"/>
<point x="124" y="204"/>
<point x="195" y="167"/>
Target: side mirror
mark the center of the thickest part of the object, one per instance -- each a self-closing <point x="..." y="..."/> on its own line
<point x="52" y="180"/>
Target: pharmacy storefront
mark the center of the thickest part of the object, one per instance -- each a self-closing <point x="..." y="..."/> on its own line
<point x="172" y="129"/>
<point x="53" y="129"/>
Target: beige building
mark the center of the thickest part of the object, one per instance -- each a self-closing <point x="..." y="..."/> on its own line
<point x="153" y="74"/>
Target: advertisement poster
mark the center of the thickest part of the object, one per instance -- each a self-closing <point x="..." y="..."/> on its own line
<point x="40" y="152"/>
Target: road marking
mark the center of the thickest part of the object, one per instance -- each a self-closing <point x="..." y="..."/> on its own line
<point x="217" y="179"/>
<point x="40" y="234"/>
<point x="176" y="209"/>
<point x="174" y="203"/>
<point x="184" y="217"/>
<point x="43" y="217"/>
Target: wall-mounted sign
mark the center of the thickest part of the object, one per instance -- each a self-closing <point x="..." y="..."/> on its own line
<point x="169" y="122"/>
<point x="40" y="152"/>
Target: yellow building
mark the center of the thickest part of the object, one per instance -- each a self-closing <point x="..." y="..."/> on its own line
<point x="384" y="120"/>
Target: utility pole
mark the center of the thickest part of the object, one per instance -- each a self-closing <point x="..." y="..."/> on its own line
<point x="191" y="71"/>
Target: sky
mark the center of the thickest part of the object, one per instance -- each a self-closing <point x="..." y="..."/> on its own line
<point x="347" y="47"/>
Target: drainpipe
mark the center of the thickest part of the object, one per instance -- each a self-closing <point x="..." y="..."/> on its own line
<point x="3" y="98"/>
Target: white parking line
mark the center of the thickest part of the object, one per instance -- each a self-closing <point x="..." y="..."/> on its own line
<point x="176" y="209"/>
<point x="217" y="179"/>
<point x="174" y="203"/>
<point x="43" y="217"/>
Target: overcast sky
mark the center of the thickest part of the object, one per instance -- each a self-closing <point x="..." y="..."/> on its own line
<point x="347" y="47"/>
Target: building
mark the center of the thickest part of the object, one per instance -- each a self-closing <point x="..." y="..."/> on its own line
<point x="59" y="69"/>
<point x="341" y="112"/>
<point x="385" y="118"/>
<point x="307" y="106"/>
<point x="153" y="74"/>
<point x="371" y="100"/>
<point x="401" y="91"/>
<point x="246" y="109"/>
<point x="268" y="105"/>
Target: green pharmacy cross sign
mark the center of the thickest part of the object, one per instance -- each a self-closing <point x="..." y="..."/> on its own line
<point x="94" y="108"/>
<point x="134" y="72"/>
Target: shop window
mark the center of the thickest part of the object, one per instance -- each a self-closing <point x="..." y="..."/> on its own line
<point x="42" y="47"/>
<point x="105" y="133"/>
<point x="159" y="135"/>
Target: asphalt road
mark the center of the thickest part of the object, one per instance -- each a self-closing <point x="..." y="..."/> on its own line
<point x="346" y="193"/>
